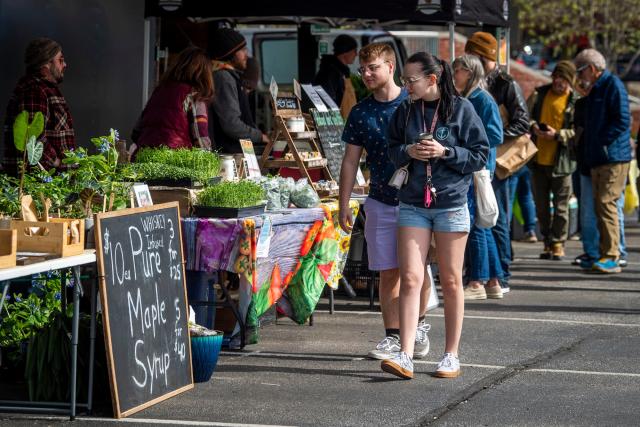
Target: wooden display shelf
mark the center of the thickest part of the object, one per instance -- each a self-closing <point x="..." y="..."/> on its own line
<point x="284" y="108"/>
<point x="56" y="240"/>
<point x="320" y="163"/>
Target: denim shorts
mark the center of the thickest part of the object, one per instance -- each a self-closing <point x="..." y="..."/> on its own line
<point x="452" y="220"/>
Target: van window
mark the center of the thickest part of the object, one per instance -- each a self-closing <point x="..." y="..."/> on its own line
<point x="279" y="58"/>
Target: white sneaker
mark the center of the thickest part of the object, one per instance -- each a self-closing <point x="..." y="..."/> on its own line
<point x="421" y="346"/>
<point x="399" y="365"/>
<point x="385" y="349"/>
<point x="449" y="367"/>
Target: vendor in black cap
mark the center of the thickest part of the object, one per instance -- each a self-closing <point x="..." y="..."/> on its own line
<point x="334" y="74"/>
<point x="230" y="114"/>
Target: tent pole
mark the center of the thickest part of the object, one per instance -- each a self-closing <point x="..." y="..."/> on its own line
<point x="145" y="62"/>
<point x="508" y="59"/>
<point x="452" y="41"/>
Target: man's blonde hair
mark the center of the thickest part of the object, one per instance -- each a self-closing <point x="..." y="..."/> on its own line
<point x="377" y="50"/>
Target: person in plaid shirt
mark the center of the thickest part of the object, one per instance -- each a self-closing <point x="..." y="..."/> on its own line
<point x="36" y="91"/>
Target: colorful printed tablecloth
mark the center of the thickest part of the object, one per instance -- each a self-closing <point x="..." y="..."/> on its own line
<point x="307" y="250"/>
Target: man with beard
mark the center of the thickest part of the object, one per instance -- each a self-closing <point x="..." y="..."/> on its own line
<point x="366" y="129"/>
<point x="230" y="113"/>
<point x="37" y="91"/>
<point x="334" y="75"/>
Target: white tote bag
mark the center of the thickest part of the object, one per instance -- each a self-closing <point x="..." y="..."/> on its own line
<point x="486" y="203"/>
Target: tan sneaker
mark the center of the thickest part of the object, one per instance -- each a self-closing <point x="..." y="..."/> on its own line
<point x="477" y="293"/>
<point x="494" y="292"/>
<point x="557" y="251"/>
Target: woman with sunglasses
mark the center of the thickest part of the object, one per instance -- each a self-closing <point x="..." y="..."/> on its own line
<point x="440" y="138"/>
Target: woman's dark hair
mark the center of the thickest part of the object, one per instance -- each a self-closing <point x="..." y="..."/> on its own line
<point x="193" y="67"/>
<point x="444" y="75"/>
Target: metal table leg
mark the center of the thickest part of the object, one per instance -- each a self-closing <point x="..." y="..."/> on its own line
<point x="92" y="343"/>
<point x="5" y="288"/>
<point x="77" y="291"/>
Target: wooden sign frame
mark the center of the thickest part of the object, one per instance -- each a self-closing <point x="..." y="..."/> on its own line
<point x="105" y="309"/>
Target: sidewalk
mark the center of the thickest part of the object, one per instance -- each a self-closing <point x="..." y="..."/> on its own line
<point x="560" y="349"/>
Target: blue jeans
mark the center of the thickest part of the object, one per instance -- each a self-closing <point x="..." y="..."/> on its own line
<point x="520" y="186"/>
<point x="483" y="262"/>
<point x="501" y="231"/>
<point x="588" y="223"/>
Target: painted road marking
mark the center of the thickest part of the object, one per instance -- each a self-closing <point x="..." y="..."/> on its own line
<point x="428" y="362"/>
<point x="147" y="421"/>
<point x="522" y="319"/>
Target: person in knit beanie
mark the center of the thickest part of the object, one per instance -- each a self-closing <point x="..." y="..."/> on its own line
<point x="334" y="75"/>
<point x="38" y="91"/>
<point x="230" y="116"/>
<point x="483" y="45"/>
<point x="552" y="128"/>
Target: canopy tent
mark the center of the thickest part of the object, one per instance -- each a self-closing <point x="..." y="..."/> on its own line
<point x="339" y="12"/>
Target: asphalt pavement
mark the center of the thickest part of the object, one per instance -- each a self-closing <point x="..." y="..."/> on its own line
<point x="561" y="349"/>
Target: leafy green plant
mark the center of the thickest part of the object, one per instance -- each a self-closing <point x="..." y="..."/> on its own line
<point x="24" y="136"/>
<point x="22" y="316"/>
<point x="9" y="196"/>
<point x="202" y="164"/>
<point x="99" y="175"/>
<point x="232" y="195"/>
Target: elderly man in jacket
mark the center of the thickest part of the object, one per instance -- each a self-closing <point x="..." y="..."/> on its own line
<point x="508" y="95"/>
<point x="606" y="149"/>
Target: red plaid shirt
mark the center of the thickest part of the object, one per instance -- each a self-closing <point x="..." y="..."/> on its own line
<point x="33" y="93"/>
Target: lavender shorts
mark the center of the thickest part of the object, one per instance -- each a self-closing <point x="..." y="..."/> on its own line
<point x="381" y="233"/>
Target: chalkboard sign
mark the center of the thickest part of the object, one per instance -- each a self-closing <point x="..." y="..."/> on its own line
<point x="329" y="126"/>
<point x="144" y="303"/>
<point x="286" y="103"/>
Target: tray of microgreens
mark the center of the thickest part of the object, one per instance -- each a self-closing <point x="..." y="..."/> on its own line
<point x="230" y="200"/>
<point x="176" y="168"/>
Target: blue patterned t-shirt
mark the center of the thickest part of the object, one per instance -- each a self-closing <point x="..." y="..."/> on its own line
<point x="367" y="127"/>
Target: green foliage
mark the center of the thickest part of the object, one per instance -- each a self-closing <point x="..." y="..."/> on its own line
<point x="232" y="195"/>
<point x="34" y="150"/>
<point x="149" y="171"/>
<point x="23" y="130"/>
<point x="9" y="196"/>
<point x="22" y="317"/>
<point x="199" y="165"/>
<point x="99" y="174"/>
<point x="610" y="25"/>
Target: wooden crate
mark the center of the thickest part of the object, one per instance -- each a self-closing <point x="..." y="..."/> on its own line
<point x="184" y="196"/>
<point x="57" y="238"/>
<point x="8" y="248"/>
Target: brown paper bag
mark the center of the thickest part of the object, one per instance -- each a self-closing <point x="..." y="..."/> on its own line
<point x="513" y="154"/>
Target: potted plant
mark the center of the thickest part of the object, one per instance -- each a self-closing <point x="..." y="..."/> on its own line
<point x="103" y="184"/>
<point x="205" y="349"/>
<point x="231" y="200"/>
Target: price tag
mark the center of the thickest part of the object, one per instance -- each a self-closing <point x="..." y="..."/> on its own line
<point x="264" y="239"/>
<point x="273" y="88"/>
<point x="251" y="162"/>
<point x="315" y="98"/>
<point x="297" y="90"/>
<point x="326" y="98"/>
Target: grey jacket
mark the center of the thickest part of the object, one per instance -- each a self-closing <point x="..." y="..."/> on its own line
<point x="231" y="118"/>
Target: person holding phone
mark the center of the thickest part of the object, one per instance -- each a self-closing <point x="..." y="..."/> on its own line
<point x="438" y="134"/>
<point x="552" y="128"/>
